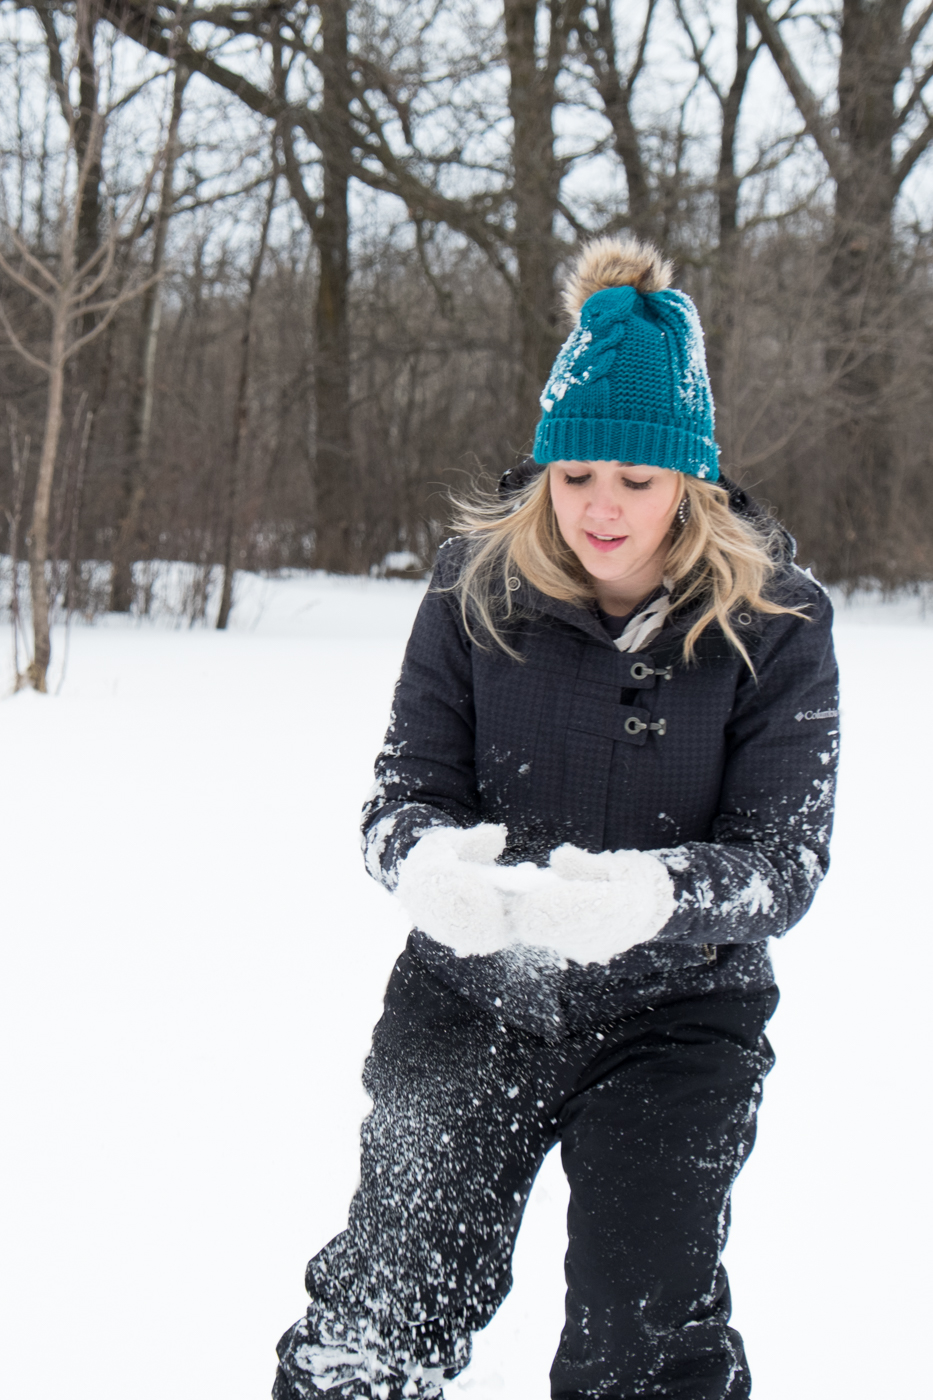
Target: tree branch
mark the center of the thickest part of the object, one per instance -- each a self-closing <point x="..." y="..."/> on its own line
<point x="297" y="186"/>
<point x="18" y="345"/>
<point x="809" y="108"/>
<point x="471" y="216"/>
<point x="639" y="62"/>
<point x="126" y="97"/>
<point x="136" y="19"/>
<point x="116" y="302"/>
<point x="56" y="67"/>
<point x="915" y="96"/>
<point x="615" y="92"/>
<point x="25" y="283"/>
<point x="698" y="53"/>
<point x="913" y="153"/>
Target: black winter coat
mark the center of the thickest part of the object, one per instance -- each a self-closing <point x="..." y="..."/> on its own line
<point x="725" y="776"/>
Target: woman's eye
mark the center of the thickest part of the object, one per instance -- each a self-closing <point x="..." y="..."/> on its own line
<point x="637" y="485"/>
<point x="577" y="480"/>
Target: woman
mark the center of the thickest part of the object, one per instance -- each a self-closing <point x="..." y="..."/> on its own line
<point x="607" y="779"/>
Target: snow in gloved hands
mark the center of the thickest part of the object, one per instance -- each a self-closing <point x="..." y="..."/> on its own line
<point x="583" y="907"/>
<point x="447" y="885"/>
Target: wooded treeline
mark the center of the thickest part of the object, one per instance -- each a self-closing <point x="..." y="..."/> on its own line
<point x="273" y="277"/>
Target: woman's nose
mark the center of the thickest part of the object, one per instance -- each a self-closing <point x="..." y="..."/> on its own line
<point x="603" y="503"/>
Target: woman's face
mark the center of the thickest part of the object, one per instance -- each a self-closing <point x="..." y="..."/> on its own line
<point x="617" y="518"/>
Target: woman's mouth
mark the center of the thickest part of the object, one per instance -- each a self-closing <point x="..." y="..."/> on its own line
<point x="605" y="543"/>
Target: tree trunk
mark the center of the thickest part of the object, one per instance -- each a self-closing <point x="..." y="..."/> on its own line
<point x="862" y="286"/>
<point x="615" y="91"/>
<point x="241" y="419"/>
<point x="536" y="188"/>
<point x="81" y="120"/>
<point x="860" y="456"/>
<point x="721" y="322"/>
<point x="333" y="460"/>
<point x="136" y="461"/>
<point x="37" y="671"/>
<point x="86" y="135"/>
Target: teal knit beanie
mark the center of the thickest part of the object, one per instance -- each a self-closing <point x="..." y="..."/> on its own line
<point x="630" y="382"/>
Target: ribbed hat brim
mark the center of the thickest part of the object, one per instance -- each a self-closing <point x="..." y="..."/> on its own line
<point x="608" y="440"/>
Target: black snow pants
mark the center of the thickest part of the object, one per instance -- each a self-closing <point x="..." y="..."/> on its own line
<point x="655" y="1115"/>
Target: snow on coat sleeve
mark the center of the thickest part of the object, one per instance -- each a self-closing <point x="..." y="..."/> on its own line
<point x="769" y="847"/>
<point x="425" y="774"/>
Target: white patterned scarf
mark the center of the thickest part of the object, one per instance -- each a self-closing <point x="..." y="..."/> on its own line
<point x="644" y="625"/>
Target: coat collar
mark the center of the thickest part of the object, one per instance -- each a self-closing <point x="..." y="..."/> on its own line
<point x="528" y="599"/>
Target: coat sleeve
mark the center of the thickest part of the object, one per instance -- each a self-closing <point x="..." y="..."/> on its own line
<point x="425" y="771"/>
<point x="769" y="847"/>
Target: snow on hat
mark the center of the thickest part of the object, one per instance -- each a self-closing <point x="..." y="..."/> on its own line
<point x="630" y="382"/>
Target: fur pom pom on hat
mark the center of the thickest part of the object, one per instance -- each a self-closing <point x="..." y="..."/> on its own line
<point x="615" y="262"/>
<point x="630" y="383"/>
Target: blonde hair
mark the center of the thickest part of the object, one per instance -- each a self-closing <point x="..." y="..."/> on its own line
<point x="717" y="561"/>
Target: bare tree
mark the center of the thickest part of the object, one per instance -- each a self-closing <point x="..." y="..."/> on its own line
<point x="328" y="218"/>
<point x="728" y="183"/>
<point x="69" y="292"/>
<point x="82" y="117"/>
<point x="870" y="143"/>
<point x="615" y="85"/>
<point x="136" y="459"/>
<point x="345" y="119"/>
<point x="19" y="461"/>
<point x="536" y="180"/>
<point x="241" y="411"/>
<point x="457" y="128"/>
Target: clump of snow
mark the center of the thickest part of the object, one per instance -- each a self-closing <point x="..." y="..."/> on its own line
<point x="756" y="896"/>
<point x="590" y="908"/>
<point x="584" y="907"/>
<point x="361" y="1363"/>
<point x="564" y="374"/>
<point x="693" y="389"/>
<point x="376" y="840"/>
<point x="447" y="885"/>
<point x="399" y="563"/>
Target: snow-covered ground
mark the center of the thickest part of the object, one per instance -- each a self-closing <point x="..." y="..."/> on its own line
<point x="193" y="959"/>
